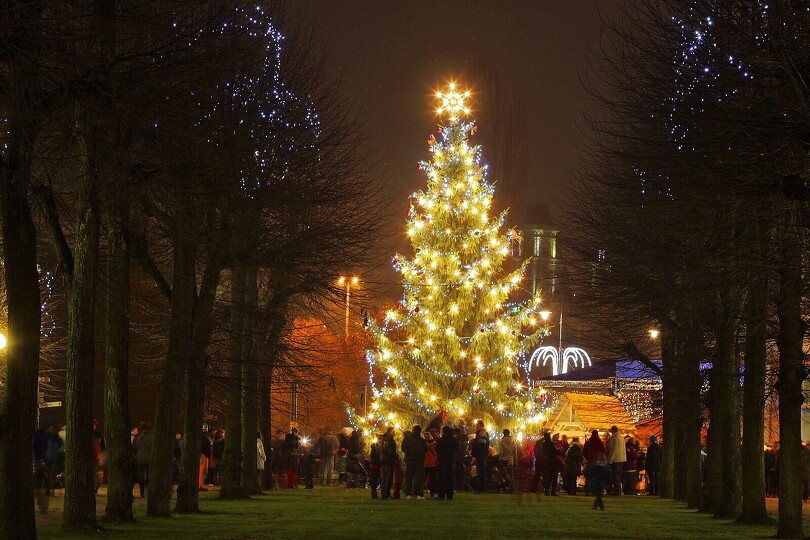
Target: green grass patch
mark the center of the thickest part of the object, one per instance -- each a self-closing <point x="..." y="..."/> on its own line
<point x="352" y="514"/>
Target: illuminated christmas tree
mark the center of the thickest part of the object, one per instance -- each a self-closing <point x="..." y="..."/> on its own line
<point x="449" y="351"/>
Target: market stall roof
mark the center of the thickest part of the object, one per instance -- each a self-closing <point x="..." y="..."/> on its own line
<point x="581" y="413"/>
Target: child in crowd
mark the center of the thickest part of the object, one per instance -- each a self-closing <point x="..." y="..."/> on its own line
<point x="600" y="479"/>
<point x="399" y="474"/>
<point x="341" y="465"/>
<point x="308" y="470"/>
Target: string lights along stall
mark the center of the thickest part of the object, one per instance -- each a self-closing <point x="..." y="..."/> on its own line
<point x="448" y="352"/>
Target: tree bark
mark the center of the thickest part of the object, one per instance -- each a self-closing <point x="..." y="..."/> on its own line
<point x="18" y="413"/>
<point x="232" y="458"/>
<point x="753" y="481"/>
<point x="120" y="459"/>
<point x="789" y="385"/>
<point x="187" y="490"/>
<point x="714" y="461"/>
<point x="180" y="335"/>
<point x="689" y="367"/>
<point x="265" y="421"/>
<point x="80" y="468"/>
<point x="678" y="431"/>
<point x="669" y="380"/>
<point x="250" y="473"/>
<point x="728" y="407"/>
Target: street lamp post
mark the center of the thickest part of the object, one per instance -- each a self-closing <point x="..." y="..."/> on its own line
<point x="348" y="282"/>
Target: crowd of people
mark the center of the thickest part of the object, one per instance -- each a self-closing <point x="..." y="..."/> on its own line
<point x="416" y="465"/>
<point x="442" y="461"/>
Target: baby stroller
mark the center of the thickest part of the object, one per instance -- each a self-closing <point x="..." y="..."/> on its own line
<point x="356" y="472"/>
<point x="497" y="480"/>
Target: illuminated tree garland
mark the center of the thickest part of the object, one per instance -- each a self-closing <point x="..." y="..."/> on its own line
<point x="451" y="347"/>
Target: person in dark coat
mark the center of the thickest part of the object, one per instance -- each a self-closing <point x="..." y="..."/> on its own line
<point x="539" y="465"/>
<point x="217" y="452"/>
<point x="291" y="450"/>
<point x="479" y="448"/>
<point x="414" y="447"/>
<point x="550" y="453"/>
<point x="375" y="460"/>
<point x="458" y="460"/>
<point x="573" y="467"/>
<point x="653" y="466"/>
<point x="142" y="447"/>
<point x="388" y="460"/>
<point x="600" y="478"/>
<point x="446" y="449"/>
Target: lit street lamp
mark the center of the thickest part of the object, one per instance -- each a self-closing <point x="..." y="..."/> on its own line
<point x="348" y="282"/>
<point x="2" y="341"/>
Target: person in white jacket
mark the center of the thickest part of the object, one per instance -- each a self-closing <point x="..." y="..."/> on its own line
<point x="261" y="457"/>
<point x="617" y="455"/>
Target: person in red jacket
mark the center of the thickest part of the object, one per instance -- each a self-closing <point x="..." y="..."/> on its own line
<point x="590" y="451"/>
<point x="431" y="466"/>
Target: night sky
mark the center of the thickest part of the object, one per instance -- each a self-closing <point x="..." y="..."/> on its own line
<point x="394" y="55"/>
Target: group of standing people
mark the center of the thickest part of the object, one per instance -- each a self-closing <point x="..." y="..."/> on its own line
<point x="621" y="457"/>
<point x="427" y="462"/>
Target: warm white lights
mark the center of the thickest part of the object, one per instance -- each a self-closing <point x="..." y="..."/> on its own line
<point x="452" y="102"/>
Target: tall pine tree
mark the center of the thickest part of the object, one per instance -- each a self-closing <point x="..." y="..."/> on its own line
<point x="450" y="350"/>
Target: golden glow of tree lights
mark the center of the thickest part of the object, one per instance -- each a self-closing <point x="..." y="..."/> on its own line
<point x="451" y="347"/>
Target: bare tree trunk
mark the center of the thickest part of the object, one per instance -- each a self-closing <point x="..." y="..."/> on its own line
<point x="188" y="488"/>
<point x="669" y="379"/>
<point x="728" y="406"/>
<point x="180" y="335"/>
<point x="678" y="431"/>
<point x="232" y="457"/>
<point x="18" y="416"/>
<point x="120" y="459"/>
<point x="693" y="415"/>
<point x="187" y="491"/>
<point x="81" y="469"/>
<point x="789" y="386"/>
<point x="250" y="473"/>
<point x="714" y="461"/>
<point x="753" y="481"/>
<point x="18" y="412"/>
<point x="265" y="422"/>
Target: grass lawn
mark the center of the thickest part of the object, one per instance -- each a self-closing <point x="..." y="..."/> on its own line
<point x="343" y="513"/>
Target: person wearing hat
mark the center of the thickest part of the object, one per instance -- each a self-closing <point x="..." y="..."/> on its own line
<point x="653" y="466"/>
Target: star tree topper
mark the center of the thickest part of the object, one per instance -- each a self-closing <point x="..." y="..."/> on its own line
<point x="452" y="102"/>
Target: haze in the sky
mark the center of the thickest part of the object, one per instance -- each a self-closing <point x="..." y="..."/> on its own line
<point x="393" y="56"/>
